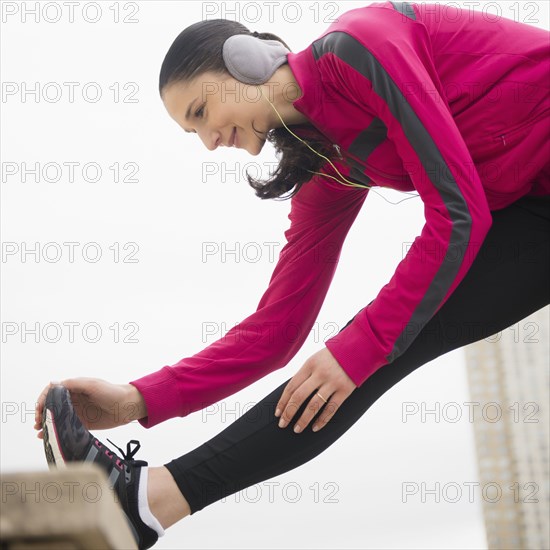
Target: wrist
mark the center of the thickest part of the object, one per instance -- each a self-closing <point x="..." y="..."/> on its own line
<point x="135" y="398"/>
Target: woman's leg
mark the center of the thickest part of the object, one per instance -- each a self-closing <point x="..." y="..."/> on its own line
<point x="507" y="281"/>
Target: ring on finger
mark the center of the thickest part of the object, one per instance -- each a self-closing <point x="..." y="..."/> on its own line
<point x="325" y="400"/>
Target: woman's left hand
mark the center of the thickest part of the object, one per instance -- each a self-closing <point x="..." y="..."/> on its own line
<point x="320" y="372"/>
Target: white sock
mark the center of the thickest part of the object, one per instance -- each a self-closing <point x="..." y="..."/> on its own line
<point x="143" y="504"/>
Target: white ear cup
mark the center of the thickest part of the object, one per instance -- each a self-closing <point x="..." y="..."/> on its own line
<point x="252" y="60"/>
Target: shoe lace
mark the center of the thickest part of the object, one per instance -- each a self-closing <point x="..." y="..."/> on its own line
<point x="129" y="454"/>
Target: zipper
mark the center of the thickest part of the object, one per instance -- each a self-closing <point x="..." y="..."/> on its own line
<point x="337" y="147"/>
<point x="512" y="132"/>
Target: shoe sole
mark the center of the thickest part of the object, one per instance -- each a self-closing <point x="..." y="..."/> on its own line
<point x="54" y="456"/>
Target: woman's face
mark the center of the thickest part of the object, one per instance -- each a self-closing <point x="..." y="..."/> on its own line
<point x="217" y="107"/>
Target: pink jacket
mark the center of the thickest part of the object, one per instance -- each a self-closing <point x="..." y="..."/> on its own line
<point x="451" y="103"/>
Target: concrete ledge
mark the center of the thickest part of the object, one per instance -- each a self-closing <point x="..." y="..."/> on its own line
<point x="62" y="509"/>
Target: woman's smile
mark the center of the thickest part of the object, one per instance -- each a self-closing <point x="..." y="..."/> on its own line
<point x="221" y="106"/>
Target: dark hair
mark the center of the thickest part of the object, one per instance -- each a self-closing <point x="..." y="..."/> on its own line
<point x="198" y="49"/>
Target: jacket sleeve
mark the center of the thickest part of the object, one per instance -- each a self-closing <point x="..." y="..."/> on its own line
<point x="392" y="76"/>
<point x="321" y="215"/>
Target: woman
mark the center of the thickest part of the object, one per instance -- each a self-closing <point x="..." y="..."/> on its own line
<point x="455" y="108"/>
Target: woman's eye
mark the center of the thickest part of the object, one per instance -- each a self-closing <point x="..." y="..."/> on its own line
<point x="201" y="111"/>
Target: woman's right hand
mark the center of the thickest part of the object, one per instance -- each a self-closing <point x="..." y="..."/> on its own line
<point x="98" y="403"/>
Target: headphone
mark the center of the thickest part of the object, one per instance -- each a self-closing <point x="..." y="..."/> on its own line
<point x="253" y="61"/>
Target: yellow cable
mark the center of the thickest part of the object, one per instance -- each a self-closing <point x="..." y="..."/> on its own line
<point x="349" y="183"/>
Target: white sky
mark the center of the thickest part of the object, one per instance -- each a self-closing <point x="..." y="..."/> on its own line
<point x="169" y="214"/>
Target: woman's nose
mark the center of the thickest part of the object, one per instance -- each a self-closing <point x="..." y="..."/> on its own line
<point x="212" y="140"/>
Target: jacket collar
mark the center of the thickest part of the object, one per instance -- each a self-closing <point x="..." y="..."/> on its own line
<point x="306" y="73"/>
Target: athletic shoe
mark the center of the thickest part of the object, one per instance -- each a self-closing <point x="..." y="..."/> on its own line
<point x="67" y="440"/>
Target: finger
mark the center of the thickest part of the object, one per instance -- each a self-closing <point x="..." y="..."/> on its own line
<point x="328" y="412"/>
<point x="80" y="384"/>
<point x="80" y="389"/>
<point x="294" y="383"/>
<point x="296" y="400"/>
<point x="315" y="404"/>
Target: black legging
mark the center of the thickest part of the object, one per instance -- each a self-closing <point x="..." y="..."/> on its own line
<point x="508" y="280"/>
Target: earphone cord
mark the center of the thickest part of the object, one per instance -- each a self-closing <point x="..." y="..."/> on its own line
<point x="349" y="183"/>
